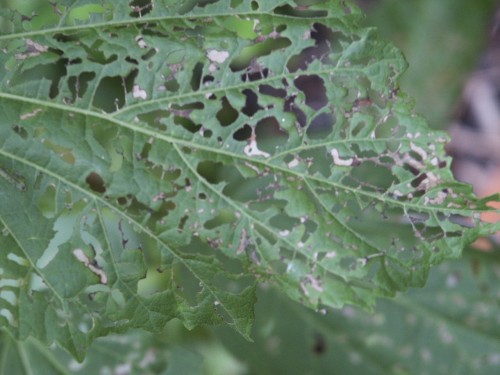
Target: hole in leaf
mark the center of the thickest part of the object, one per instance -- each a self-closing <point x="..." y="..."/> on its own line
<point x="204" y="3"/>
<point x="269" y="135"/>
<point x="223" y="217"/>
<point x="21" y="131"/>
<point x="182" y="222"/>
<point x="418" y="180"/>
<point x="145" y="151"/>
<point x="171" y="174"/>
<point x="251" y="105"/>
<point x="188" y="106"/>
<point x="196" y="77"/>
<point x="140" y="8"/>
<point x="290" y="106"/>
<point x="129" y="80"/>
<point x="272" y="91"/>
<point x="326" y="41"/>
<point x="95" y="182"/>
<point x="255" y="74"/>
<point x="190" y="5"/>
<point x="321" y="126"/>
<point x="284" y="222"/>
<point x="236" y="3"/>
<point x="65" y="38"/>
<point x="227" y="114"/>
<point x="187" y="124"/>
<point x="154" y="118"/>
<point x="243" y="134"/>
<point x="314" y="90"/>
<point x="171" y="85"/>
<point x="78" y="85"/>
<point x="136" y="208"/>
<point x="254" y="5"/>
<point x="255" y="51"/>
<point x="162" y="211"/>
<point x="210" y="171"/>
<point x="52" y="72"/>
<point x="375" y="177"/>
<point x="95" y="54"/>
<point x="207" y="79"/>
<point x="303" y="11"/>
<point x="149" y="54"/>
<point x="110" y="94"/>
<point x="122" y="201"/>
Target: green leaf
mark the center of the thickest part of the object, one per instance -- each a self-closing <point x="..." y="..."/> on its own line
<point x="448" y="327"/>
<point x="131" y="353"/>
<point x="219" y="143"/>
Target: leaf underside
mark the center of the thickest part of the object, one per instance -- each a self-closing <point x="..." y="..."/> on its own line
<point x="216" y="143"/>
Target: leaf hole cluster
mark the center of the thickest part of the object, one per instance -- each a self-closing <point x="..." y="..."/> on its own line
<point x="326" y="42"/>
<point x="52" y="72"/>
<point x="111" y="91"/>
<point x="78" y="84"/>
<point x="155" y="118"/>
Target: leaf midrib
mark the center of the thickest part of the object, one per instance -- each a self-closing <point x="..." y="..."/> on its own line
<point x="263" y="162"/>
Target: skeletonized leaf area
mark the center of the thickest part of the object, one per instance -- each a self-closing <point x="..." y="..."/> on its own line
<point x="209" y="145"/>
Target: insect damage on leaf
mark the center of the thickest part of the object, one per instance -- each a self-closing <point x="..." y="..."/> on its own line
<point x="220" y="143"/>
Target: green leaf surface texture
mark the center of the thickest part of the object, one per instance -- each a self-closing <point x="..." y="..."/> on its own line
<point x="219" y="144"/>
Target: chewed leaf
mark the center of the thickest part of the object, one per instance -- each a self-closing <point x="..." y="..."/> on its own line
<point x="218" y="144"/>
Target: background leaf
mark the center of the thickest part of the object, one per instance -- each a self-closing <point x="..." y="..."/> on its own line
<point x="442" y="42"/>
<point x="448" y="327"/>
<point x="131" y="353"/>
<point x="217" y="144"/>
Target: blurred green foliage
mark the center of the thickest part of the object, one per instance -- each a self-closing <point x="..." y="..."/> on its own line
<point x="442" y="41"/>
